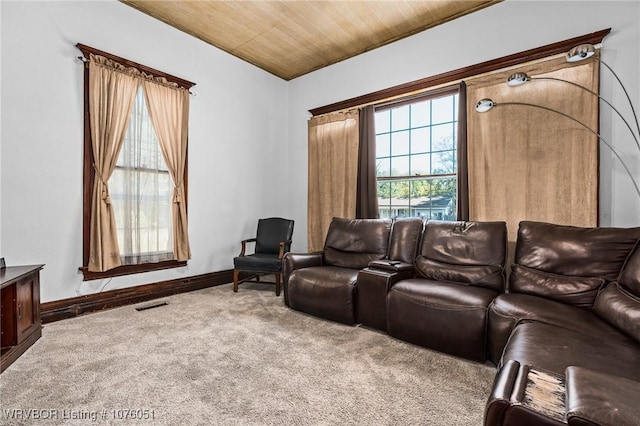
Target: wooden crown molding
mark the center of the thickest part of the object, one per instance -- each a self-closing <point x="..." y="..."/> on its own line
<point x="465" y="72"/>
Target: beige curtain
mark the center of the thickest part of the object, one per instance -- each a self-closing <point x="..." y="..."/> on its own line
<point x="333" y="173"/>
<point x="141" y="192"/>
<point x="169" y="111"/>
<point x="526" y="163"/>
<point x="111" y="95"/>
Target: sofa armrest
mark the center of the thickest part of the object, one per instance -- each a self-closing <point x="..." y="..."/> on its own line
<point x="392" y="266"/>
<point x="524" y="395"/>
<point x="293" y="261"/>
<point x="595" y="398"/>
<point x="507" y="386"/>
<point x="373" y="285"/>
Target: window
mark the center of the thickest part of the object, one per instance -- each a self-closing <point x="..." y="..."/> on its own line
<point x="416" y="157"/>
<point x="140" y="188"/>
<point x="146" y="196"/>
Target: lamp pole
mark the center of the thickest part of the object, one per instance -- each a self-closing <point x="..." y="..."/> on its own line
<point x="486" y="104"/>
<point x="518" y="78"/>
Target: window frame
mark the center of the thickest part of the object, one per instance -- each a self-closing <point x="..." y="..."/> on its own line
<point x="88" y="172"/>
<point x="460" y="120"/>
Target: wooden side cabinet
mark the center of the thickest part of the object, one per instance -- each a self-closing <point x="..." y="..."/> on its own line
<point x="20" y="324"/>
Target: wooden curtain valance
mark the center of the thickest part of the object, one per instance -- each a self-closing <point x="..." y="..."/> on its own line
<point x="86" y="50"/>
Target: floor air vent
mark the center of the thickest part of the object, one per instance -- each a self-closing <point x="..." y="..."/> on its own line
<point x="151" y="306"/>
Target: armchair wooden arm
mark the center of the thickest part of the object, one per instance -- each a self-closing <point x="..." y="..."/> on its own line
<point x="283" y="248"/>
<point x="244" y="245"/>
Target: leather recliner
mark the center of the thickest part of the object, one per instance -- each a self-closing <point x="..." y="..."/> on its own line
<point x="556" y="276"/>
<point x="324" y="284"/>
<point x="584" y="332"/>
<point x="460" y="269"/>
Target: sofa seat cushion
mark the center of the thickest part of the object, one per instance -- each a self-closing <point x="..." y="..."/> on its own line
<point x="600" y="399"/>
<point x="446" y="317"/>
<point x="507" y="310"/>
<point x="444" y="294"/>
<point x="324" y="291"/>
<point x="553" y="348"/>
<point x="258" y="262"/>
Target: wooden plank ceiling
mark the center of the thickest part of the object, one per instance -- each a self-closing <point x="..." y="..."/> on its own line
<point x="291" y="38"/>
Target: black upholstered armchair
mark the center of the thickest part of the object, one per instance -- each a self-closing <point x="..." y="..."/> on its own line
<point x="272" y="241"/>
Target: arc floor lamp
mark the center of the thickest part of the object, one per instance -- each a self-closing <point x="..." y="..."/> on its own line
<point x="578" y="53"/>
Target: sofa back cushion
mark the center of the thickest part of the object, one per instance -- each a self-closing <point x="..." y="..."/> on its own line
<point x="353" y="243"/>
<point x="574" y="251"/>
<point x="472" y="253"/>
<point x="630" y="275"/>
<point x="572" y="290"/>
<point x="568" y="264"/>
<point x="405" y="236"/>
<point x="620" y="309"/>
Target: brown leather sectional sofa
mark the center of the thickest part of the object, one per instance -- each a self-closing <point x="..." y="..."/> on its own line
<point x="564" y="329"/>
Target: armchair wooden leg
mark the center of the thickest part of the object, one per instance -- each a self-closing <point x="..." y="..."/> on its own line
<point x="236" y="274"/>
<point x="278" y="275"/>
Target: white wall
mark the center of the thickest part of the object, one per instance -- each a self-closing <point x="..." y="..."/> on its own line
<point x="503" y="29"/>
<point x="237" y="127"/>
<point x="244" y="122"/>
<point x="1" y="84"/>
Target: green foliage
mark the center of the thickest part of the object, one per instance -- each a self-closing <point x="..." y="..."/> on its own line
<point x="418" y="188"/>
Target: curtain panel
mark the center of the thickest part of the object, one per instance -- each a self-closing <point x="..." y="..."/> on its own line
<point x="462" y="156"/>
<point x="169" y="112"/>
<point x="111" y="95"/>
<point x="367" y="186"/>
<point x="112" y="91"/>
<point x="140" y="189"/>
<point x="333" y="172"/>
<point x="526" y="163"/>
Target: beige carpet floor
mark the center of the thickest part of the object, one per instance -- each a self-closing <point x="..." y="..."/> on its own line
<point x="212" y="357"/>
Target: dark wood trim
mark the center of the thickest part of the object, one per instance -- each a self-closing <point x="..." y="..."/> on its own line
<point x="76" y="306"/>
<point x="130" y="269"/>
<point x="465" y="72"/>
<point x="88" y="176"/>
<point x="86" y="50"/>
<point x="431" y="94"/>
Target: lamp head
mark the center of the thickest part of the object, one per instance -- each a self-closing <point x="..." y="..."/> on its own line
<point x="485" y="105"/>
<point x="580" y="52"/>
<point x="517" y="78"/>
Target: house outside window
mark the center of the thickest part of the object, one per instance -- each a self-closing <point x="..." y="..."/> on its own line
<point x="416" y="158"/>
